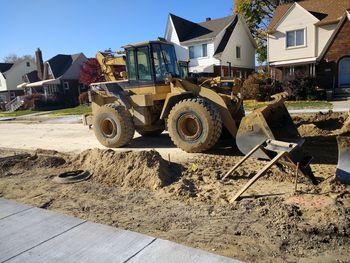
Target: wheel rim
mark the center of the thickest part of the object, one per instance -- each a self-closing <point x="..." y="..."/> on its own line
<point x="189" y="127"/>
<point x="108" y="128"/>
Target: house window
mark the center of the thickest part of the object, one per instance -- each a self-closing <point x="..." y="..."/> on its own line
<point x="198" y="51"/>
<point x="66" y="85"/>
<point x="28" y="64"/>
<point x="296" y="38"/>
<point x="297" y="71"/>
<point x="238" y="52"/>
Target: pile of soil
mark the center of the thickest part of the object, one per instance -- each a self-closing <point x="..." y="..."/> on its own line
<point x="141" y="169"/>
<point x="312" y="130"/>
<point x="189" y="203"/>
<point x="322" y="124"/>
<point x="17" y="163"/>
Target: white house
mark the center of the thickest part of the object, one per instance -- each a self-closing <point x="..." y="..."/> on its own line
<point x="312" y="39"/>
<point x="216" y="47"/>
<point x="11" y="75"/>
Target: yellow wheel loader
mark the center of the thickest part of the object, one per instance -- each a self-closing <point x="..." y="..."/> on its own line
<point x="155" y="97"/>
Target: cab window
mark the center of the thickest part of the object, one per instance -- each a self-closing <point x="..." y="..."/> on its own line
<point x="159" y="65"/>
<point x="169" y="57"/>
<point x="131" y="65"/>
<point x="144" y="67"/>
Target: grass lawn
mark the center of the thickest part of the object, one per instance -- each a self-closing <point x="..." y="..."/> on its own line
<point x="79" y="110"/>
<point x="17" y="113"/>
<point x="291" y="105"/>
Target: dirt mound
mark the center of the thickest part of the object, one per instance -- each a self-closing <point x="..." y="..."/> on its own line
<point x="322" y="119"/>
<point x="20" y="162"/>
<point x="323" y="124"/>
<point x="194" y="209"/>
<point x="142" y="169"/>
<point x="306" y="130"/>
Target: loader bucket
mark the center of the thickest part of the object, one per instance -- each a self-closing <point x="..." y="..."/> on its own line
<point x="343" y="168"/>
<point x="272" y="122"/>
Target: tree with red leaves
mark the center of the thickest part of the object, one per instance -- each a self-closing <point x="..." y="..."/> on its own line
<point x="91" y="72"/>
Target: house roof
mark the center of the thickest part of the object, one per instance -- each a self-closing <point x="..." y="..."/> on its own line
<point x="189" y="31"/>
<point x="5" y="67"/>
<point x="228" y="32"/>
<point x="32" y="76"/>
<point x="326" y="11"/>
<point x="60" y="63"/>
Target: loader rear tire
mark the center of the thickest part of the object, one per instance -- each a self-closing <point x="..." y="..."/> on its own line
<point x="194" y="125"/>
<point x="113" y="126"/>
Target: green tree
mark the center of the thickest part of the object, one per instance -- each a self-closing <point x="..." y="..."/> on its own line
<point x="258" y="14"/>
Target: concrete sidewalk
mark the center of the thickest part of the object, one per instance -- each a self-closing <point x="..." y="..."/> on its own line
<point x="341" y="105"/>
<point x="29" y="234"/>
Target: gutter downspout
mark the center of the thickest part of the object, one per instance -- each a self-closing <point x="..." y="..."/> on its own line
<point x="268" y="57"/>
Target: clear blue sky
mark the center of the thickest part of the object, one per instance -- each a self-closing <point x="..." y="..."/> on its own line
<point x="72" y="26"/>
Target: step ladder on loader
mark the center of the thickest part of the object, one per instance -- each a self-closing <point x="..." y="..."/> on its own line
<point x="277" y="152"/>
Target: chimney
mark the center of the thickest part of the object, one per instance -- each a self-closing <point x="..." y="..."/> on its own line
<point x="208" y="19"/>
<point x="39" y="63"/>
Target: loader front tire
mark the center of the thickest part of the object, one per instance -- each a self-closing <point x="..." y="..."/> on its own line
<point x="113" y="126"/>
<point x="194" y="125"/>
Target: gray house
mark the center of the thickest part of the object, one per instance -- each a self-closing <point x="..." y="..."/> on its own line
<point x="56" y="78"/>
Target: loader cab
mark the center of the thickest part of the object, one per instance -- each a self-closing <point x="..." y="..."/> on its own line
<point x="150" y="63"/>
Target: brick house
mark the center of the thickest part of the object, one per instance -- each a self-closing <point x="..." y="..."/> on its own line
<point x="312" y="39"/>
<point x="334" y="63"/>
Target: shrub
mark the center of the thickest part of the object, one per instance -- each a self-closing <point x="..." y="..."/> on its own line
<point x="259" y="87"/>
<point x="303" y="88"/>
<point x="29" y="100"/>
<point x="84" y="98"/>
<point x="38" y="101"/>
<point x="48" y="104"/>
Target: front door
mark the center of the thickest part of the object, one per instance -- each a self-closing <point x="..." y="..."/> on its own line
<point x="344" y="73"/>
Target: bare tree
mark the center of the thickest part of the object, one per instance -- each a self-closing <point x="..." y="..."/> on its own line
<point x="13" y="58"/>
